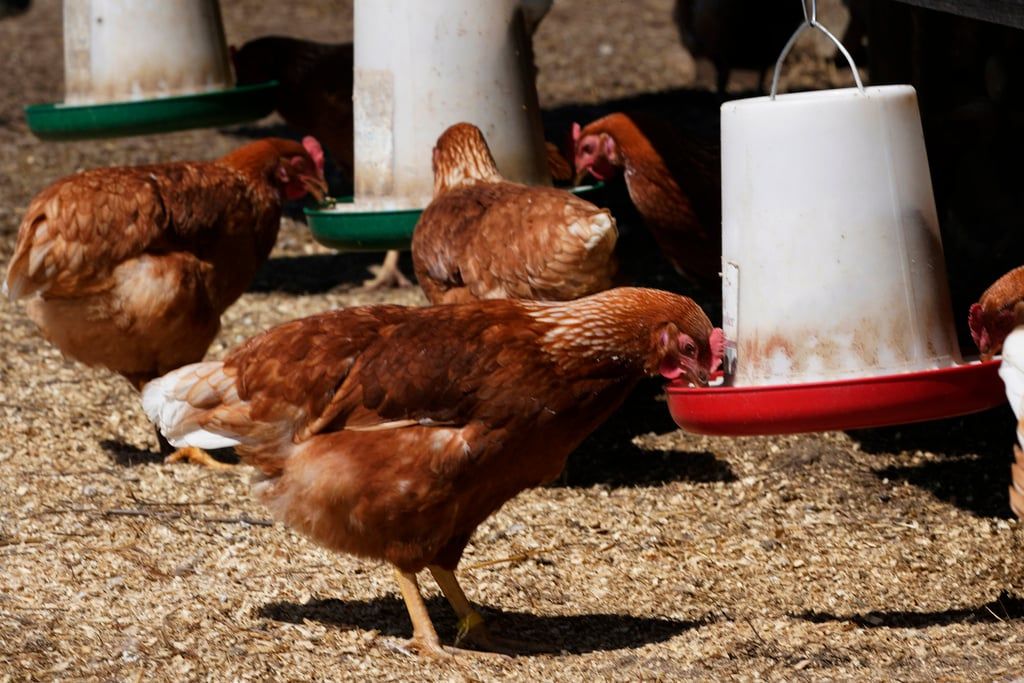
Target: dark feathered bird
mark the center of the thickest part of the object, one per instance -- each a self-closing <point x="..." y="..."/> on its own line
<point x="737" y="34"/>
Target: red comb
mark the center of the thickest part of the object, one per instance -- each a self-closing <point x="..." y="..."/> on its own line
<point x="976" y="322"/>
<point x="316" y="152"/>
<point x="716" y="340"/>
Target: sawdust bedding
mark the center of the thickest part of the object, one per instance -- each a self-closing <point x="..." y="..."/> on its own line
<point x="884" y="554"/>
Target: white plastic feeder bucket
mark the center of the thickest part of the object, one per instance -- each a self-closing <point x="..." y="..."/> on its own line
<point x="125" y="50"/>
<point x="423" y="66"/>
<point x="832" y="259"/>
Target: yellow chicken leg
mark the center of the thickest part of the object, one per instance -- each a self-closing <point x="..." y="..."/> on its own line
<point x="471" y="625"/>
<point x="1017" y="487"/>
<point x="424" y="637"/>
<point x="387" y="274"/>
<point x="197" y="456"/>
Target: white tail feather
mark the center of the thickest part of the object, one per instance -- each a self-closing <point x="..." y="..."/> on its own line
<point x="176" y="402"/>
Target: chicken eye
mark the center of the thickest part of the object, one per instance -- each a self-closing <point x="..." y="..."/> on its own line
<point x="690" y="349"/>
<point x="588" y="148"/>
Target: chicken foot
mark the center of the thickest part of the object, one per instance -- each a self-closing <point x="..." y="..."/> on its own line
<point x="471" y="625"/>
<point x="424" y="637"/>
<point x="197" y="456"/>
<point x="387" y="274"/>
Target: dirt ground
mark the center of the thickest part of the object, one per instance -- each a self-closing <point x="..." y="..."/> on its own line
<point x="879" y="554"/>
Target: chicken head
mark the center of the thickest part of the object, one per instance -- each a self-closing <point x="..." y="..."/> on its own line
<point x="596" y="154"/>
<point x="681" y="356"/>
<point x="300" y="169"/>
<point x="999" y="310"/>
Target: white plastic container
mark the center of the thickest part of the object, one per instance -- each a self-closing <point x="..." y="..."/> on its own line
<point x="125" y="50"/>
<point x="832" y="259"/>
<point x="423" y="66"/>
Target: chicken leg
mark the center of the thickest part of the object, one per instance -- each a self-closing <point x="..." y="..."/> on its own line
<point x="1017" y="488"/>
<point x="424" y="637"/>
<point x="387" y="274"/>
<point x="196" y="456"/>
<point x="471" y="624"/>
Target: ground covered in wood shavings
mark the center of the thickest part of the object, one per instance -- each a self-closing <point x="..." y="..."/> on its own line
<point x="869" y="555"/>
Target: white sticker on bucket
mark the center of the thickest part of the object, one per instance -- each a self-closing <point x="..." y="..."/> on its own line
<point x="730" y="313"/>
<point x="373" y="113"/>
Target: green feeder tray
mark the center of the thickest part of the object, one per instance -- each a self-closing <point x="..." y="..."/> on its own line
<point x="348" y="230"/>
<point x="57" y="121"/>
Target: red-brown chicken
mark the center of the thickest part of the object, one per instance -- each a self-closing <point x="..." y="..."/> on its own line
<point x="999" y="310"/>
<point x="993" y="320"/>
<point x="736" y="33"/>
<point x="674" y="182"/>
<point x="483" y="237"/>
<point x="314" y="97"/>
<point x="131" y="267"/>
<point x="392" y="433"/>
<point x="558" y="166"/>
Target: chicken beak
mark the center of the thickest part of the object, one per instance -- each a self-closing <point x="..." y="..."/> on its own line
<point x="580" y="175"/>
<point x="316" y="186"/>
<point x="694" y="373"/>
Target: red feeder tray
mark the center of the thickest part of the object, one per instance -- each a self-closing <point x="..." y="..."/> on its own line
<point x="840" y="404"/>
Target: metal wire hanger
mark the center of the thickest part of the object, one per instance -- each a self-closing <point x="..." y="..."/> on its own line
<point x="811" y="22"/>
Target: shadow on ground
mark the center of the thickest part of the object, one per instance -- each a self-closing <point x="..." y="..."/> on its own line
<point x="1006" y="607"/>
<point x="975" y="451"/>
<point x="318" y="273"/>
<point x="127" y="455"/>
<point x="576" y="633"/>
<point x="609" y="457"/>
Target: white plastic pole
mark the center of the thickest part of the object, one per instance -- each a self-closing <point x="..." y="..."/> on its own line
<point x="422" y="66"/>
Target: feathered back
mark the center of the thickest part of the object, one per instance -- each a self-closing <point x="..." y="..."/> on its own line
<point x="389" y="367"/>
<point x="483" y="237"/>
<point x="461" y="156"/>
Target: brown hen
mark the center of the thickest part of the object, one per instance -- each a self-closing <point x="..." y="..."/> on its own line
<point x="130" y="268"/>
<point x="483" y="237"/>
<point x="996" y="315"/>
<point x="674" y="182"/>
<point x="999" y="310"/>
<point x="392" y="433"/>
<point x="314" y="97"/>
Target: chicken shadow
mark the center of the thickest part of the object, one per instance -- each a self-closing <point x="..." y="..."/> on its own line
<point x="1004" y="608"/>
<point x="973" y="471"/>
<point x="551" y="634"/>
<point x="609" y="457"/>
<point x="319" y="273"/>
<point x="126" y="455"/>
